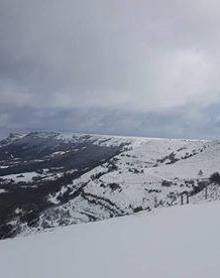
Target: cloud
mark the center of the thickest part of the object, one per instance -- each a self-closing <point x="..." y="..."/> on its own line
<point x="4" y="120"/>
<point x="138" y="56"/>
<point x="175" y="123"/>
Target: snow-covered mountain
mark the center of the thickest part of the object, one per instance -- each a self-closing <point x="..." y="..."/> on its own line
<point x="56" y="179"/>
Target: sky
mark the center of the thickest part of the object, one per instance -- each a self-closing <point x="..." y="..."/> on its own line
<point x="123" y="67"/>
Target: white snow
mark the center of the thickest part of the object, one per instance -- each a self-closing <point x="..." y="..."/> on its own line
<point x="177" y="242"/>
<point x="140" y="170"/>
<point x="27" y="177"/>
<point x="131" y="180"/>
<point x="57" y="153"/>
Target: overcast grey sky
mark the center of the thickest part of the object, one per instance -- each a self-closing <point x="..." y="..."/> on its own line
<point x="130" y="67"/>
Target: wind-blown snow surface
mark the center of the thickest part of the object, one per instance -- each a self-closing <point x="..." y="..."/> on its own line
<point x="175" y="242"/>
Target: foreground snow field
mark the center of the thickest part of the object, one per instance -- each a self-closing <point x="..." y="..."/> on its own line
<point x="175" y="242"/>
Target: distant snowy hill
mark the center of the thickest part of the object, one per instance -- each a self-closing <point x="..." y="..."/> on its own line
<point x="175" y="242"/>
<point x="52" y="179"/>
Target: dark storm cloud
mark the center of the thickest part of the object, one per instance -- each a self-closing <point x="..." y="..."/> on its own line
<point x="143" y="61"/>
<point x="175" y="123"/>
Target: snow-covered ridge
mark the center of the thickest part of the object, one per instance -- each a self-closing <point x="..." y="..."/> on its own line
<point x="75" y="178"/>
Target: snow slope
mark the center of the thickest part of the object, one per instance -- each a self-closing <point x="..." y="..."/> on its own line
<point x="52" y="179"/>
<point x="175" y="242"/>
<point x="136" y="179"/>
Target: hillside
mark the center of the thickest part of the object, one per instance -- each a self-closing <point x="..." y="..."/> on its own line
<point x="52" y="179"/>
<point x="173" y="242"/>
